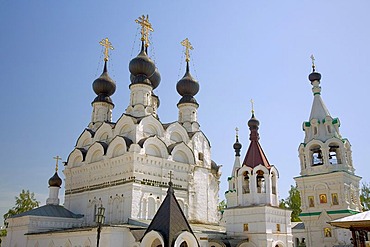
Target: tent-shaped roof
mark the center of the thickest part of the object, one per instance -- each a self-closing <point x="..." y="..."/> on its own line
<point x="169" y="220"/>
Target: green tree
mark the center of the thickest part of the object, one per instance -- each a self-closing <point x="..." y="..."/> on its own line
<point x="292" y="202"/>
<point x="23" y="203"/>
<point x="221" y="206"/>
<point x="365" y="196"/>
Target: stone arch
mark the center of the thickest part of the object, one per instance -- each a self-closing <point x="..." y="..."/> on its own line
<point x="246" y="243"/>
<point x="85" y="139"/>
<point x="274" y="180"/>
<point x="186" y="237"/>
<point x="262" y="173"/>
<point x="117" y="147"/>
<point x="177" y="133"/>
<point x="155" y="147"/>
<point x="278" y="243"/>
<point x="151" y="126"/>
<point x="151" y="207"/>
<point x="336" y="148"/>
<point x="315" y="153"/>
<point x="103" y="133"/>
<point x="244" y="177"/>
<point x="125" y="126"/>
<point x="76" y="157"/>
<point x="182" y="153"/>
<point x="150" y="238"/>
<point x="95" y="152"/>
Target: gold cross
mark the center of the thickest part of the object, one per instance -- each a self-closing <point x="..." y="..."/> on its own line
<point x="237" y="131"/>
<point x="107" y="45"/>
<point x="57" y="158"/>
<point x="188" y="47"/>
<point x="313" y="62"/>
<point x="252" y="102"/>
<point x="146" y="26"/>
<point x="170" y="175"/>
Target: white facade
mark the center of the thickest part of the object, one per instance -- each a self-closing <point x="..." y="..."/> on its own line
<point x="327" y="183"/>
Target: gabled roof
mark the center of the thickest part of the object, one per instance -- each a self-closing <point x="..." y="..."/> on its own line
<point x="50" y="210"/>
<point x="169" y="220"/>
<point x="255" y="155"/>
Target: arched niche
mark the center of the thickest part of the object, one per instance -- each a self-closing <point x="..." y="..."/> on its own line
<point x="151" y="126"/>
<point x="274" y="179"/>
<point x="245" y="175"/>
<point x="125" y="126"/>
<point x="76" y="157"/>
<point x="85" y="139"/>
<point x="153" y="146"/>
<point x="336" y="148"/>
<point x="95" y="152"/>
<point x="261" y="174"/>
<point x="152" y="238"/>
<point x="186" y="237"/>
<point x="177" y="133"/>
<point x="104" y="133"/>
<point x="182" y="153"/>
<point x="117" y="147"/>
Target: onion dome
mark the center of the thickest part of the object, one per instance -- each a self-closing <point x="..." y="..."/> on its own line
<point x="237" y="146"/>
<point x="253" y="124"/>
<point x="104" y="87"/>
<point x="314" y="76"/>
<point x="55" y="180"/>
<point x="143" y="70"/>
<point x="187" y="87"/>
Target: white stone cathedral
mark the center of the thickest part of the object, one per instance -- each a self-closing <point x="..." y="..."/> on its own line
<point x="328" y="185"/>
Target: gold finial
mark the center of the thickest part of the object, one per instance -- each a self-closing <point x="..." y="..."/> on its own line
<point x="252" y="103"/>
<point x="237" y="132"/>
<point x="313" y="63"/>
<point x="188" y="47"/>
<point x="107" y="45"/>
<point x="57" y="158"/>
<point x="146" y="26"/>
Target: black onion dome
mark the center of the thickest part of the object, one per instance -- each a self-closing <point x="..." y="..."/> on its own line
<point x="104" y="85"/>
<point x="237" y="145"/>
<point x="314" y="76"/>
<point x="187" y="85"/>
<point x="55" y="180"/>
<point x="155" y="79"/>
<point x="142" y="64"/>
<point x="253" y="123"/>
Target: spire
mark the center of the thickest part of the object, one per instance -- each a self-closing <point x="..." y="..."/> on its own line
<point x="319" y="110"/>
<point x="169" y="220"/>
<point x="255" y="155"/>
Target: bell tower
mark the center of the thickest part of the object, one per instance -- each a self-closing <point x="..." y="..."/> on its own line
<point x="327" y="183"/>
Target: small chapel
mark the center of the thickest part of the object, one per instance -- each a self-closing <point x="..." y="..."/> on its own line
<point x="138" y="182"/>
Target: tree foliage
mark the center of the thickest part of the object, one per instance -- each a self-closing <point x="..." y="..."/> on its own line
<point x="23" y="203"/>
<point x="365" y="196"/>
<point x="292" y="202"/>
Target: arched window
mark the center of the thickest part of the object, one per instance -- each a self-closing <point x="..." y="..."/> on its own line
<point x="245" y="187"/>
<point x="184" y="244"/>
<point x="334" y="155"/>
<point x="260" y="182"/>
<point x="316" y="155"/>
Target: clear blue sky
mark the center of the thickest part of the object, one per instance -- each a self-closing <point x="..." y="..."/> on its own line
<point x="242" y="49"/>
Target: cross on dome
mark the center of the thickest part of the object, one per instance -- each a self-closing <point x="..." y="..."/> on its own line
<point x="146" y="26"/>
<point x="313" y="62"/>
<point x="57" y="158"/>
<point x="107" y="45"/>
<point x="252" y="103"/>
<point x="186" y="43"/>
